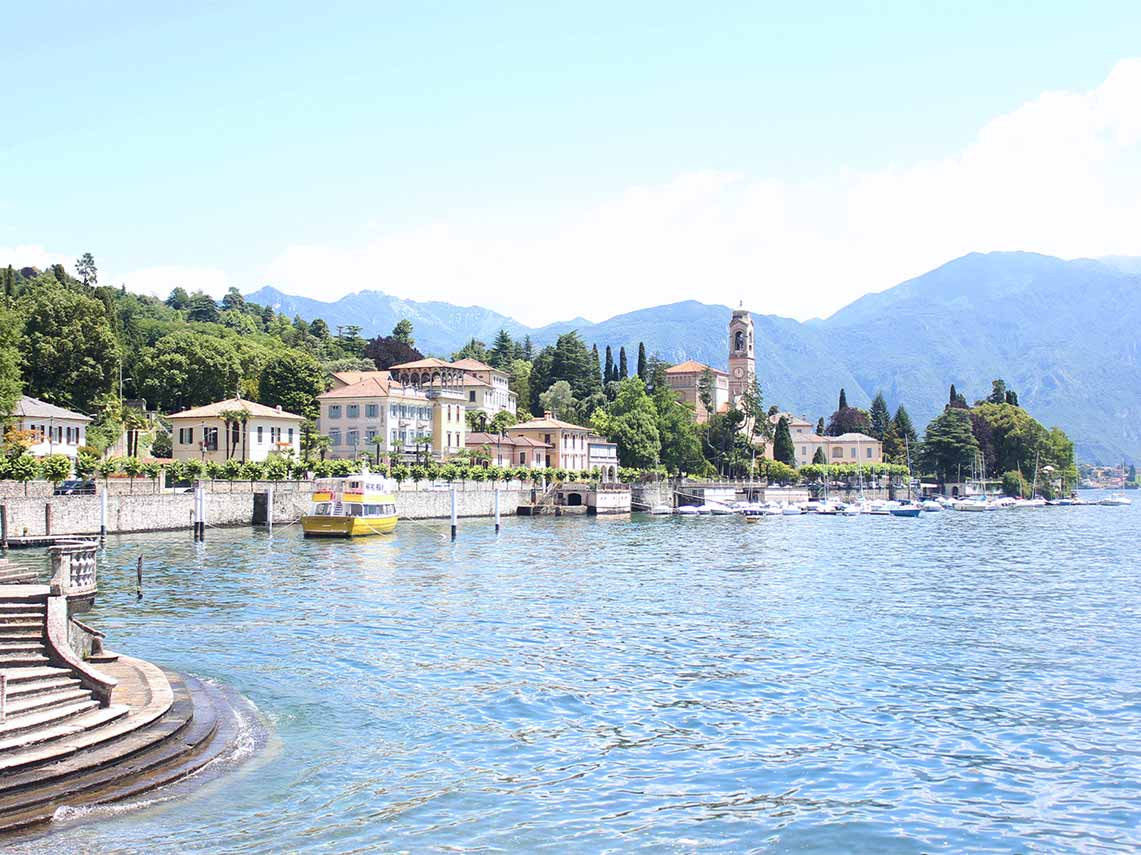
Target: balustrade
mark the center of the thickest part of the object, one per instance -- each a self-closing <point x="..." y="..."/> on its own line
<point x="74" y="568"/>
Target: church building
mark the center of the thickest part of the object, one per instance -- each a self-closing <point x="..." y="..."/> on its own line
<point x="726" y="387"/>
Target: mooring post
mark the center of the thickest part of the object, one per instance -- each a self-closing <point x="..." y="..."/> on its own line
<point x="103" y="515"/>
<point x="201" y="511"/>
<point x="497" y="509"/>
<point x="453" y="513"/>
<point x="3" y="697"/>
<point x="4" y="527"/>
<point x="269" y="508"/>
<point x="48" y="518"/>
<point x="139" y="577"/>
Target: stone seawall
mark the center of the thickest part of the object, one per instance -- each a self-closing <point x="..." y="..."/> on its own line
<point x="147" y="511"/>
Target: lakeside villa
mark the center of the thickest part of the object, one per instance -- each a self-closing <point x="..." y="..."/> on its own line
<point x="53" y="429"/>
<point x="234" y="428"/>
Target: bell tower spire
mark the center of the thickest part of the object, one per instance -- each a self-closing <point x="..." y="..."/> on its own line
<point x="742" y="356"/>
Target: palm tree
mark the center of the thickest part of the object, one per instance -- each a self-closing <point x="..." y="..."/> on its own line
<point x="231" y="418"/>
<point x="378" y="441"/>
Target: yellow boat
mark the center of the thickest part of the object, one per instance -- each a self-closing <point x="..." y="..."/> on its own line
<point x="351" y="506"/>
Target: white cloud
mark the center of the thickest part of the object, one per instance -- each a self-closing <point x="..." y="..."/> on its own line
<point x="31" y="255"/>
<point x="161" y="279"/>
<point x="1060" y="174"/>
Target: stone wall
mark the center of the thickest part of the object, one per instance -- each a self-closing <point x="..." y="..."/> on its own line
<point x="145" y="511"/>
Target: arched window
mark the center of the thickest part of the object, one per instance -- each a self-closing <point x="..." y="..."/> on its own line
<point x="739" y="340"/>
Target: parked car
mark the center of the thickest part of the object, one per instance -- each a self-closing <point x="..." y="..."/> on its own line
<point x="76" y="487"/>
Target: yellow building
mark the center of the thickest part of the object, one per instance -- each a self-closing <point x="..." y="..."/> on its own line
<point x="847" y="448"/>
<point x="685" y="382"/>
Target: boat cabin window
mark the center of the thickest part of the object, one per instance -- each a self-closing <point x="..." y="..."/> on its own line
<point x="354" y="485"/>
<point x="323" y="509"/>
<point x="354" y="510"/>
<point x="372" y="510"/>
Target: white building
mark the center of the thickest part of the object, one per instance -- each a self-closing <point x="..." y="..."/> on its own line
<point x="202" y="433"/>
<point x="354" y="416"/>
<point x="54" y="430"/>
<point x="486" y="388"/>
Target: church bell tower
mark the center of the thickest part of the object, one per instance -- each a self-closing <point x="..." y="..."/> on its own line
<point x="742" y="360"/>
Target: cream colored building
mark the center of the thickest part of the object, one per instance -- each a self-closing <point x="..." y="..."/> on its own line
<point x="685" y="381"/>
<point x="848" y="448"/>
<point x="201" y="433"/>
<point x="567" y="442"/>
<point x="53" y="429"/>
<point x="404" y="418"/>
<point x="510" y="451"/>
<point x="486" y="388"/>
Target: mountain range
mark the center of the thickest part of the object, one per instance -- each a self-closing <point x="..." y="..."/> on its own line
<point x="1065" y="335"/>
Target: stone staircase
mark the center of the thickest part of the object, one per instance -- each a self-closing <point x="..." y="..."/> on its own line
<point x="72" y="735"/>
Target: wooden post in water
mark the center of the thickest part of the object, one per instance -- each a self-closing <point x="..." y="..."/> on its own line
<point x="497" y="509"/>
<point x="139" y="578"/>
<point x="269" y="508"/>
<point x="453" y="513"/>
<point x="3" y="697"/>
<point x="103" y="515"/>
<point x="48" y="518"/>
<point x="4" y="527"/>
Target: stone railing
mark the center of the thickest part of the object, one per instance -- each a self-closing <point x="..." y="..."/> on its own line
<point x="74" y="569"/>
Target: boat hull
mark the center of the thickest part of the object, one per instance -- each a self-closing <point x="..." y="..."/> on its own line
<point x="328" y="526"/>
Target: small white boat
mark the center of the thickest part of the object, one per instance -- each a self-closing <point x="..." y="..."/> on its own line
<point x="1115" y="500"/>
<point x="791" y="511"/>
<point x="905" y="511"/>
<point x="688" y="511"/>
<point x="661" y="510"/>
<point x="1023" y="504"/>
<point x="852" y="510"/>
<point x="930" y="506"/>
<point x="720" y="510"/>
<point x="973" y="504"/>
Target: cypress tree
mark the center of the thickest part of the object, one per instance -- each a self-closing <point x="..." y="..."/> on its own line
<point x="642" y="361"/>
<point x="820" y="457"/>
<point x="623" y="372"/>
<point x="843" y="400"/>
<point x="953" y="396"/>
<point x="880" y="416"/>
<point x="594" y="359"/>
<point x="820" y="426"/>
<point x="608" y="373"/>
<point x="783" y="449"/>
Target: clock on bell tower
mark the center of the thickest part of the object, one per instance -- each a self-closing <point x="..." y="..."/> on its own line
<point x="742" y="359"/>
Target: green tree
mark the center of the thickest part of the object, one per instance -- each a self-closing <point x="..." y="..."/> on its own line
<point x="753" y="406"/>
<point x="402" y="332"/>
<point x="178" y="298"/>
<point x="502" y="350"/>
<point x="201" y="308"/>
<point x="631" y="421"/>
<point x="596" y="365"/>
<point x="949" y="445"/>
<point x="188" y="369"/>
<point x="85" y="269"/>
<point x="879" y="416"/>
<point x="68" y="350"/>
<point x="571" y="361"/>
<point x="559" y="400"/>
<point x="843" y="405"/>
<point x="677" y="433"/>
<point x="292" y="380"/>
<point x="820" y="458"/>
<point x="642" y="362"/>
<point x="820" y="429"/>
<point x="707" y="390"/>
<point x="474" y="349"/>
<point x="783" y="449"/>
<point x="623" y="372"/>
<point x="998" y="392"/>
<point x="10" y="385"/>
<point x="608" y="373"/>
<point x="519" y="382"/>
<point x="56" y="468"/>
<point x="233" y="300"/>
<point x="501" y="421"/>
<point x="319" y="329"/>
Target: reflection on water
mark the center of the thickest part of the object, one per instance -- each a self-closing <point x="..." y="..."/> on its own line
<point x="956" y="682"/>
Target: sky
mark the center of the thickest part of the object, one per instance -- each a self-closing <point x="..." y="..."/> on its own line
<point x="558" y="160"/>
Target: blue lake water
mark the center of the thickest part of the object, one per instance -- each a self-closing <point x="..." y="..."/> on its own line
<point x="959" y="682"/>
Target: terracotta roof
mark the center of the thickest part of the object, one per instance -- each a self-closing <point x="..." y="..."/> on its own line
<point x="254" y="409"/>
<point x="691" y="366"/>
<point x="792" y="420"/>
<point x="546" y="422"/>
<point x="350" y="377"/>
<point x="472" y="380"/>
<point x="595" y="439"/>
<point x="481" y="438"/>
<point x="30" y="407"/>
<point x="469" y="364"/>
<point x="429" y="362"/>
<point x="373" y="387"/>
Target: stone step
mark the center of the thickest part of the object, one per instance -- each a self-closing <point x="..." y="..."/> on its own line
<point x="24" y="675"/>
<point x="22" y="604"/>
<point x="91" y="720"/>
<point x="30" y="688"/>
<point x="21" y="660"/>
<point x="24" y="704"/>
<point x="21" y="730"/>
<point x="21" y="646"/>
<point x="21" y="631"/>
<point x="22" y="616"/>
